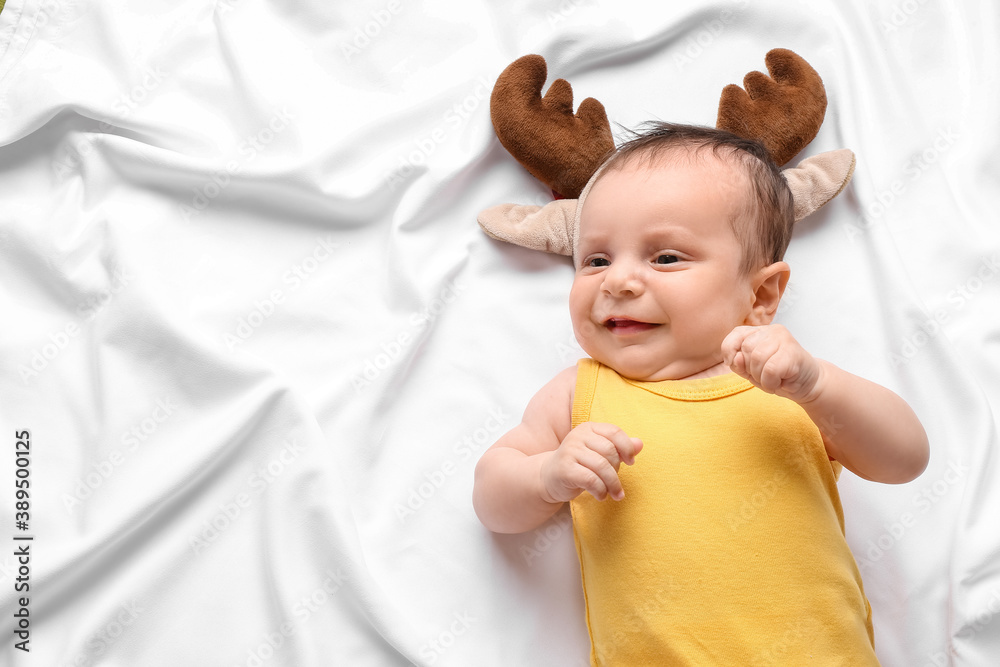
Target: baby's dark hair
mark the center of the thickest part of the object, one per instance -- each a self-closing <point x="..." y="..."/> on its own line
<point x="764" y="227"/>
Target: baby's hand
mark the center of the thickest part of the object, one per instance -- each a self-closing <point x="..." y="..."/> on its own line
<point x="773" y="360"/>
<point x="587" y="460"/>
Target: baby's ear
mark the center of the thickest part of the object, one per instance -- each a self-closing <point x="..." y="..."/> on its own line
<point x="818" y="179"/>
<point x="549" y="228"/>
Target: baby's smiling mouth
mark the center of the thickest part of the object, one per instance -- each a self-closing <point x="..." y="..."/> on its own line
<point x="624" y="326"/>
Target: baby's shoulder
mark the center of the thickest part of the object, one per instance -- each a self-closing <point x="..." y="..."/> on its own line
<point x="553" y="404"/>
<point x="559" y="390"/>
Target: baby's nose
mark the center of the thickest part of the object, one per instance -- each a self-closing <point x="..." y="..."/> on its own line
<point x="622" y="279"/>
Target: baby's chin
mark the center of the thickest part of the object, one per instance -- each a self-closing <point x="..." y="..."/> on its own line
<point x="656" y="370"/>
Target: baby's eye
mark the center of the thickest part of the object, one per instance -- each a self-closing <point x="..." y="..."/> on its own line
<point x="598" y="261"/>
<point x="667" y="259"/>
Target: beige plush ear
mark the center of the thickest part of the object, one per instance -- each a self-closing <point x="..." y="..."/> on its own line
<point x="818" y="179"/>
<point x="548" y="228"/>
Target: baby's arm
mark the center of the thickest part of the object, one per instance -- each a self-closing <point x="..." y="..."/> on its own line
<point x="869" y="429"/>
<point x="526" y="476"/>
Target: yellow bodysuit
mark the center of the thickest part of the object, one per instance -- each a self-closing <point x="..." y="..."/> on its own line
<point x="729" y="547"/>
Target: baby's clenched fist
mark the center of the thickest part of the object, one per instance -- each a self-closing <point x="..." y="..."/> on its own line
<point x="770" y="358"/>
<point x="587" y="460"/>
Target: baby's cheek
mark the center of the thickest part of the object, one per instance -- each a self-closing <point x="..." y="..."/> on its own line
<point x="711" y="328"/>
<point x="579" y="305"/>
<point x="585" y="330"/>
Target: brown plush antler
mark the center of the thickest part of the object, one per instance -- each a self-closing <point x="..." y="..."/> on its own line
<point x="559" y="148"/>
<point x="783" y="111"/>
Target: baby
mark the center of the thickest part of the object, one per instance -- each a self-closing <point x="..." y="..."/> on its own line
<point x="722" y="541"/>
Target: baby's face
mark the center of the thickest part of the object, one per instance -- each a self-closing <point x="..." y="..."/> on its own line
<point x="657" y="285"/>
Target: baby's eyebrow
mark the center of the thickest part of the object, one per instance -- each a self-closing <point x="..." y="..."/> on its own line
<point x="595" y="237"/>
<point x="672" y="231"/>
<point x="664" y="233"/>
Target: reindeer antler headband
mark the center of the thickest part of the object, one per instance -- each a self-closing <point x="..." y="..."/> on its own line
<point x="565" y="151"/>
